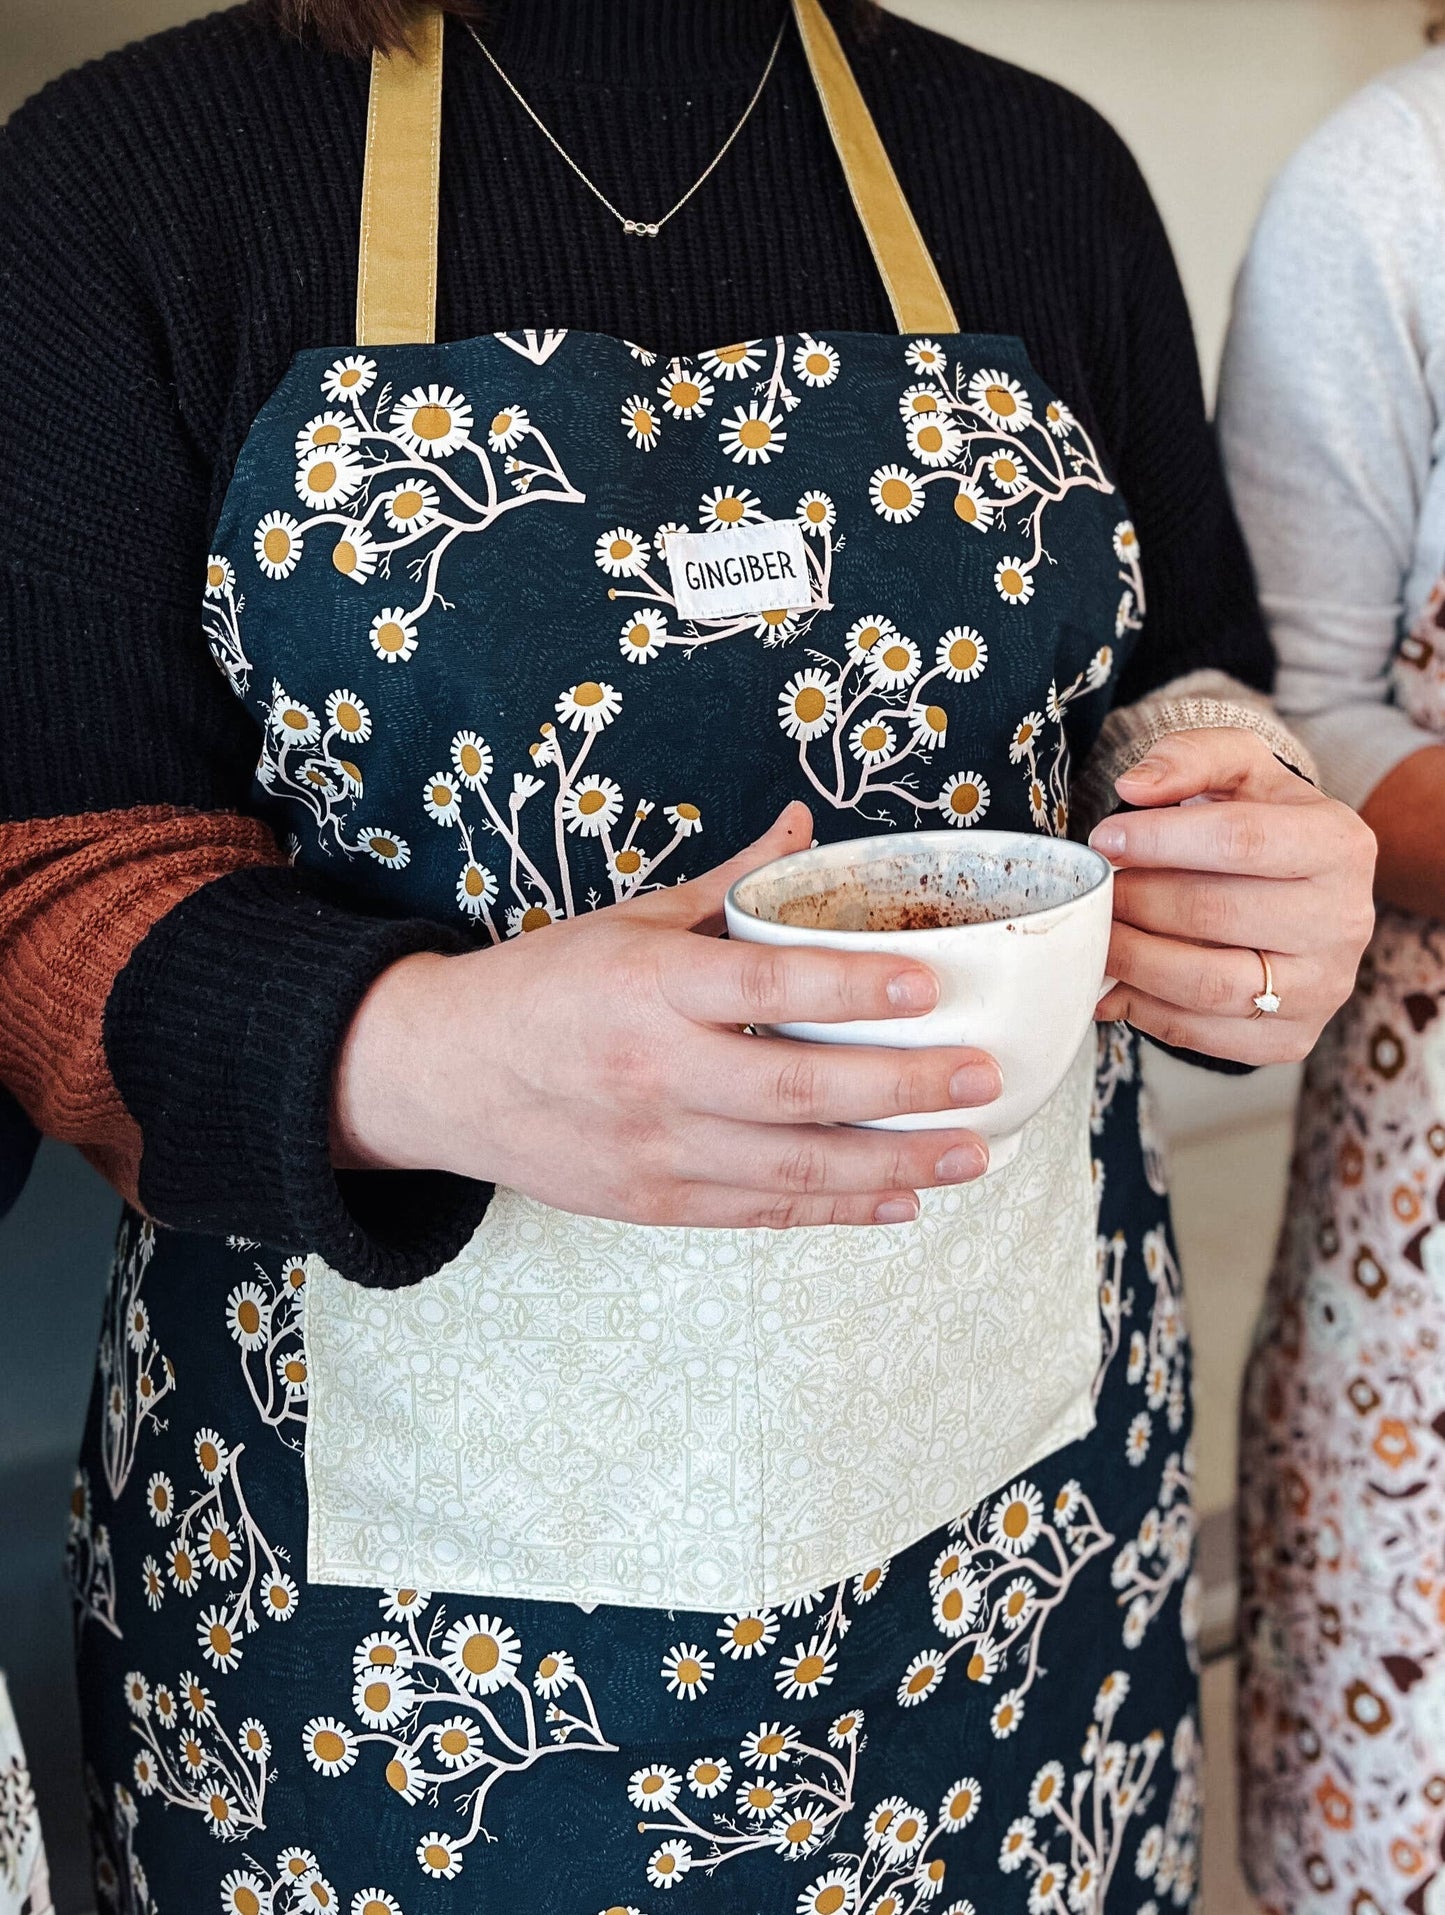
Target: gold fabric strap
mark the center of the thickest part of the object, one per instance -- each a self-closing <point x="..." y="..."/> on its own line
<point x="397" y="278"/>
<point x="396" y="283"/>
<point x="914" y="289"/>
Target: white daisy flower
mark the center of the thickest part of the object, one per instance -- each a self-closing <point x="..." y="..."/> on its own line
<point x="769" y="1744"/>
<point x="440" y="1856"/>
<point x="406" y="1774"/>
<point x="279" y="544"/>
<point x="1113" y="1693"/>
<point x="279" y="1596"/>
<point x="956" y="1605"/>
<point x="1126" y="542"/>
<point x="752" y="434"/>
<point x="1058" y="418"/>
<point x="920" y="1679"/>
<point x="757" y="1798"/>
<point x="386" y="847"/>
<point x="297" y="1865"/>
<point x="894" y="663"/>
<point x="393" y="634"/>
<point x="400" y="1605"/>
<point x="481" y="1654"/>
<point x="412" y="506"/>
<point x="346" y="713"/>
<point x="688" y="1670"/>
<point x="922" y="401"/>
<point x="145" y="1772"/>
<point x="808" y="1669"/>
<point x="155" y="1589"/>
<point x="329" y="1746"/>
<point x="457" y="1741"/>
<point x="254" y="1740"/>
<point x="929" y="724"/>
<point x="934" y="441"/>
<point x="217" y="1543"/>
<point x="166" y="1713"/>
<point x="325" y="433"/>
<point x="1001" y="400"/>
<point x="1124" y="617"/>
<point x="750" y="1633"/>
<point x="1047" y="1889"/>
<point x="629" y="864"/>
<point x="219" y="1643"/>
<point x="926" y="357"/>
<point x="830" y="1894"/>
<point x="442" y="799"/>
<point x="733" y="362"/>
<point x="799" y="1830"/>
<point x="1014" y="581"/>
<point x="432" y="422"/>
<point x="349" y="378"/>
<point x="684" y="393"/>
<point x="220" y="575"/>
<point x="374" y="1901"/>
<point x="621" y="553"/>
<point x="382" y="1697"/>
<point x="881" y="1817"/>
<point x="667" y="1865"/>
<point x="1008" y="471"/>
<point x="655" y="1787"/>
<point x="866" y="1586"/>
<point x="1025" y="737"/>
<point x="816" y="514"/>
<point x="471" y="759"/>
<point x="384" y="1649"/>
<point x="644" y="636"/>
<point x="1019" y="1602"/>
<point x="949" y="1563"/>
<point x="220" y="1811"/>
<point x="815" y="362"/>
<point x="872" y="742"/>
<point x="1136" y="1443"/>
<point x="508" y="428"/>
<point x="865" y="635"/>
<point x="211" y="1455"/>
<point x="183" y="1567"/>
<point x="1008" y="1713"/>
<point x="808" y="705"/>
<point x="959" y="1805"/>
<point x="906" y="1832"/>
<point x="709" y="1776"/>
<point x="964" y="798"/>
<point x="641" y="354"/>
<point x="1016" y="1519"/>
<point x="476" y="889"/>
<point x="138" y="1695"/>
<point x="844" y="1729"/>
<point x="1067" y="1500"/>
<point x="160" y="1491"/>
<point x="639" y="416"/>
<point x="1047" y="1789"/>
<point x="592" y="806"/>
<point x="554" y="1673"/>
<point x="728" y="505"/>
<point x="326" y="479"/>
<point x="532" y="917"/>
<point x="590" y="706"/>
<point x="895" y="494"/>
<point x="776" y="626"/>
<point x="1136" y="1622"/>
<point x="1017" y="1842"/>
<point x="973" y="505"/>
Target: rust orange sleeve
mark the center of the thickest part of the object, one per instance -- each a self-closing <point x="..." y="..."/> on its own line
<point x="77" y="896"/>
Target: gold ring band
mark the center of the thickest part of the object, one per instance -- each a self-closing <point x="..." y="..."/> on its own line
<point x="1267" y="1003"/>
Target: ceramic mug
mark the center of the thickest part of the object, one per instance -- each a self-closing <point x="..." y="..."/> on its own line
<point x="1018" y="977"/>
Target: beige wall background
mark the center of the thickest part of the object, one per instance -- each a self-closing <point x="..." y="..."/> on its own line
<point x="1212" y="95"/>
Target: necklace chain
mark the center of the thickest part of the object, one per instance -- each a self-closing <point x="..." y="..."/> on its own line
<point x="643" y="229"/>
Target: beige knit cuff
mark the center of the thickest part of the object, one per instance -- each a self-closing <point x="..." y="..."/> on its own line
<point x="1200" y="701"/>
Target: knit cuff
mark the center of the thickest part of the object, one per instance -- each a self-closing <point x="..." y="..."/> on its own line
<point x="222" y="1034"/>
<point x="1200" y="701"/>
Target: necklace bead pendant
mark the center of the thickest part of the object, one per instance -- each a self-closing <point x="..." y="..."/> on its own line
<point x="641" y="227"/>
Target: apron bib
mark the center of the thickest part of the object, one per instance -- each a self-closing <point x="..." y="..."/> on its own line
<point x="535" y="621"/>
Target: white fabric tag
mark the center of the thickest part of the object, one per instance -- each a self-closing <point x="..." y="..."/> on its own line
<point x="758" y="567"/>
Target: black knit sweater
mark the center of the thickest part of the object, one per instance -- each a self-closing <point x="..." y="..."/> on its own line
<point x="178" y="220"/>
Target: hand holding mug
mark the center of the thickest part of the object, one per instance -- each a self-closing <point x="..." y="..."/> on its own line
<point x="1232" y="860"/>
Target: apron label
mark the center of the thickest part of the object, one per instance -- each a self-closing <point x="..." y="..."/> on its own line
<point x="758" y="567"/>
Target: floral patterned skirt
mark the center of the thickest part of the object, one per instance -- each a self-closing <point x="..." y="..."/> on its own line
<point x="1001" y="1718"/>
<point x="1343" y="1472"/>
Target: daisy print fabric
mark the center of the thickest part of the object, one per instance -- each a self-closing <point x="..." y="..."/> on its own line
<point x="442" y="587"/>
<point x="999" y="1717"/>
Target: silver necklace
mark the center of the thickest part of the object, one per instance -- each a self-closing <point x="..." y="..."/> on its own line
<point x="643" y="228"/>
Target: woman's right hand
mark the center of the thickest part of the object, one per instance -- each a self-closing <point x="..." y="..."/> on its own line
<point x="599" y="1066"/>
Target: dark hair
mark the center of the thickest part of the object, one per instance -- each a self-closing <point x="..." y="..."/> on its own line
<point x="1436" y="28"/>
<point x="356" y="26"/>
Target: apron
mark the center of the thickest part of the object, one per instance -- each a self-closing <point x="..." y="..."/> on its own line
<point x="535" y="621"/>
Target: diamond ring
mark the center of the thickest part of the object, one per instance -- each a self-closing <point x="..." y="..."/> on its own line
<point x="1267" y="1004"/>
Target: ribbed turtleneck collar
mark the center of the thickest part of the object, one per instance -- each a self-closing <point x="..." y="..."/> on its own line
<point x="659" y="43"/>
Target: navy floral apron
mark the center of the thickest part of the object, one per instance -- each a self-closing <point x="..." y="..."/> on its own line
<point x="452" y="584"/>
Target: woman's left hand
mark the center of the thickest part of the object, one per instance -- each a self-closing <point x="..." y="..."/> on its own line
<point x="1229" y="855"/>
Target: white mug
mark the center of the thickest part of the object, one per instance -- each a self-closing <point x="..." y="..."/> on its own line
<point x="1021" y="986"/>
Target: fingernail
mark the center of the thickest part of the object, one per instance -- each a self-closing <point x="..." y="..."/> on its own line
<point x="1148" y="771"/>
<point x="975" y="1084"/>
<point x="897" y="1210"/>
<point x="961" y="1164"/>
<point x="1109" y="838"/>
<point x="914" y="990"/>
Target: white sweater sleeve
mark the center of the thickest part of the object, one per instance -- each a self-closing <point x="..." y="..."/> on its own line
<point x="1328" y="418"/>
